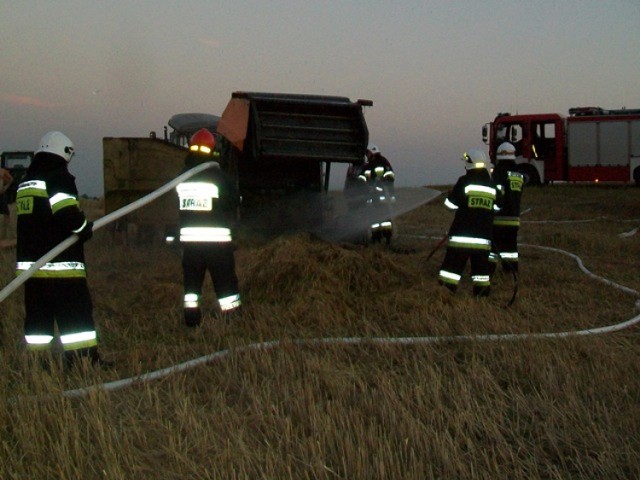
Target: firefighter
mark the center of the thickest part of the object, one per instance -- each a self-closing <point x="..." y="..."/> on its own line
<point x="378" y="174"/>
<point x="48" y="212"/>
<point x="506" y="223"/>
<point x="5" y="182"/>
<point x="208" y="203"/>
<point x="473" y="198"/>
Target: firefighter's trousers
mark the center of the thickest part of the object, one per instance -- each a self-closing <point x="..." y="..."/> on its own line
<point x="218" y="259"/>
<point x="453" y="265"/>
<point x="65" y="301"/>
<point x="505" y="248"/>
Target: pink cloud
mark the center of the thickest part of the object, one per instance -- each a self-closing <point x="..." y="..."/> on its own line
<point x="209" y="42"/>
<point x="27" y="101"/>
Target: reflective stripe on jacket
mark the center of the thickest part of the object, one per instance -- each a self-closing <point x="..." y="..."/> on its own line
<point x="474" y="200"/>
<point x="48" y="212"/>
<point x="510" y="185"/>
<point x="207" y="203"/>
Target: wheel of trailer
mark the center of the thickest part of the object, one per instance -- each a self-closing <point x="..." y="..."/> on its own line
<point x="531" y="176"/>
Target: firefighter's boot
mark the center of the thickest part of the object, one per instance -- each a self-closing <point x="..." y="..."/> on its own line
<point x="192" y="317"/>
<point x="493" y="262"/>
<point x="449" y="286"/>
<point x="43" y="359"/>
<point x="232" y="315"/>
<point x="89" y="356"/>
<point x="481" y="291"/>
<point x="510" y="267"/>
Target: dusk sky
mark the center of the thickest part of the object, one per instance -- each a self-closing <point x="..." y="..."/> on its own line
<point x="436" y="71"/>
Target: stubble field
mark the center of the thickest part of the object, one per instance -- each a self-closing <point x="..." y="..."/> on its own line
<point x="349" y="362"/>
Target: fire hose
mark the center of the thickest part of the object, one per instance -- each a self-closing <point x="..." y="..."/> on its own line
<point x="101" y="222"/>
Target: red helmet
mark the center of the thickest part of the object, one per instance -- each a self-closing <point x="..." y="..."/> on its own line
<point x="203" y="141"/>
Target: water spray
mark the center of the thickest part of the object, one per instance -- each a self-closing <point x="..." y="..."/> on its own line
<point x="101" y="222"/>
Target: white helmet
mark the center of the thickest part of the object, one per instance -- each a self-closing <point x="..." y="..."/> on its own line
<point x="373" y="149"/>
<point x="474" y="158"/>
<point x="506" y="151"/>
<point x="58" y="144"/>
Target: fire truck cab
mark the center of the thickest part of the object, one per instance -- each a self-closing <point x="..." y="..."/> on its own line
<point x="590" y="145"/>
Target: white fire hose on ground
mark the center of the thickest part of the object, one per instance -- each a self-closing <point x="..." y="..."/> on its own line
<point x="270" y="345"/>
<point x="101" y="222"/>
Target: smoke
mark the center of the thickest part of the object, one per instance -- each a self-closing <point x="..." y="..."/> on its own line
<point x="353" y="221"/>
<point x="331" y="217"/>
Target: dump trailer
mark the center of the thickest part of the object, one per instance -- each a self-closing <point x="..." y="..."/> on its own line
<point x="16" y="163"/>
<point x="591" y="144"/>
<point x="278" y="148"/>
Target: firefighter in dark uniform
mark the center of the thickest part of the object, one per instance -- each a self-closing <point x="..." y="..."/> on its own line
<point x="506" y="222"/>
<point x="378" y="174"/>
<point x="48" y="212"/>
<point x="5" y="183"/>
<point x="208" y="207"/>
<point x="474" y="199"/>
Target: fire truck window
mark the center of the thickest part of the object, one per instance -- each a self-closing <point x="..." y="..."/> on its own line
<point x="544" y="140"/>
<point x="516" y="134"/>
<point x="501" y="134"/>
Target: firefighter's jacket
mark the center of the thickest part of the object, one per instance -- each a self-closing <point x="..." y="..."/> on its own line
<point x="509" y="184"/>
<point x="474" y="199"/>
<point x="208" y="204"/>
<point x="379" y="175"/>
<point x="377" y="168"/>
<point x="48" y="213"/>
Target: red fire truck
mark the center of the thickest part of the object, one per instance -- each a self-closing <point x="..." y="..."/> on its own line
<point x="590" y="145"/>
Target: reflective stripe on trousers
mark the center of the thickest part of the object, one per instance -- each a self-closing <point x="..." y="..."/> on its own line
<point x="230" y="302"/>
<point x="509" y="256"/>
<point x="449" y="277"/>
<point x="192" y="300"/>
<point x="457" y="241"/>
<point x="72" y="341"/>
<point x="480" y="280"/>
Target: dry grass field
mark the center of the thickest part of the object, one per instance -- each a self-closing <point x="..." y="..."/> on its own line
<point x="406" y="384"/>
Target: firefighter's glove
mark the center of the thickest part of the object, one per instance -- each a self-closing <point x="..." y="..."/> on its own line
<point x="86" y="233"/>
